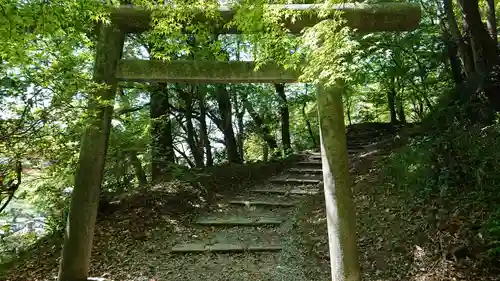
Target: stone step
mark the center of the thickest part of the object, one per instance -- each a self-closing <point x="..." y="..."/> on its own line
<point x="261" y="203"/>
<point x="286" y="191"/>
<point x="223" y="248"/>
<point x="309" y="163"/>
<point x="295" y="181"/>
<point x="305" y="171"/>
<point x="239" y="221"/>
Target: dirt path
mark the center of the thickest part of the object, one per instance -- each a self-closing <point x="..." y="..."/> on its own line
<point x="250" y="235"/>
<point x="246" y="236"/>
<point x="255" y="234"/>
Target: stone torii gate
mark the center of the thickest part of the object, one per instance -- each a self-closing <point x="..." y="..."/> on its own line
<point x="109" y="69"/>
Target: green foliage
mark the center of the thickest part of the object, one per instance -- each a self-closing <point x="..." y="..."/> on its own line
<point x="456" y="166"/>
<point x="253" y="147"/>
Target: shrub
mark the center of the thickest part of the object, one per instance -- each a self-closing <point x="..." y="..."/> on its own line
<point x="457" y="165"/>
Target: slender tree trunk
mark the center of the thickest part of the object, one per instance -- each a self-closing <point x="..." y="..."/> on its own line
<point x="492" y="21"/>
<point x="421" y="109"/>
<point x="400" y="109"/>
<point x="463" y="48"/>
<point x="285" y="118"/>
<point x="191" y="134"/>
<point x="140" y="174"/>
<point x="309" y="127"/>
<point x="263" y="129"/>
<point x="89" y="174"/>
<point x="348" y="111"/>
<point x="485" y="50"/>
<point x="340" y="212"/>
<point x="391" y="101"/>
<point x="484" y="47"/>
<point x="121" y="172"/>
<point x="205" y="141"/>
<point x="226" y="115"/>
<point x="452" y="51"/>
<point x="162" y="147"/>
<point x="240" y="112"/>
<point x="265" y="152"/>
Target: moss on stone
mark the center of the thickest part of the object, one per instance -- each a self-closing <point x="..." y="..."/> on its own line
<point x="189" y="71"/>
<point x="363" y="17"/>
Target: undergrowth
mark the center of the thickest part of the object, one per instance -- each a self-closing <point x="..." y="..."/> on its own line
<point x="454" y="167"/>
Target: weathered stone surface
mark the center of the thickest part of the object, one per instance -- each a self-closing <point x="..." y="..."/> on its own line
<point x="295" y="181"/>
<point x="286" y="191"/>
<point x="305" y="171"/>
<point x="189" y="71"/>
<point x="223" y="247"/>
<point x="261" y="203"/>
<point x="309" y="163"/>
<point x="239" y="221"/>
<point x="363" y="17"/>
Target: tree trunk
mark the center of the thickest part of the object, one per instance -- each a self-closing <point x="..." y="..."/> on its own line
<point x="400" y="109"/>
<point x="139" y="171"/>
<point x="191" y="134"/>
<point x="348" y="111"/>
<point x="340" y="212"/>
<point x="285" y="118"/>
<point x="485" y="50"/>
<point x="309" y="127"/>
<point x="421" y="109"/>
<point x="492" y="21"/>
<point x="452" y="51"/>
<point x="483" y="46"/>
<point x="263" y="130"/>
<point x="162" y="147"/>
<point x="224" y="104"/>
<point x="89" y="174"/>
<point x="391" y="101"/>
<point x="205" y="141"/>
<point x="265" y="152"/>
<point x="463" y="48"/>
<point x="120" y="173"/>
<point x="240" y="112"/>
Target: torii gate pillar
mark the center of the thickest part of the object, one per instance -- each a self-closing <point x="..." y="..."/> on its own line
<point x="340" y="211"/>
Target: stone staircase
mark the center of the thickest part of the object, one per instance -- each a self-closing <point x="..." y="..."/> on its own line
<point x="248" y="234"/>
<point x="266" y="206"/>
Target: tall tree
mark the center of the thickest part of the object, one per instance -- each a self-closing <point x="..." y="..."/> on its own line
<point x="285" y="118"/>
<point x="162" y="146"/>
<point x="192" y="139"/>
<point x="239" y="108"/>
<point x="484" y="48"/>
<point x="204" y="140"/>
<point x="463" y="48"/>
<point x="391" y="101"/>
<point x="225" y="110"/>
<point x="492" y="21"/>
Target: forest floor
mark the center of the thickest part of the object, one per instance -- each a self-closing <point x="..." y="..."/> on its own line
<point x="397" y="240"/>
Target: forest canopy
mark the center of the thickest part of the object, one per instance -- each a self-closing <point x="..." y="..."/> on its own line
<point x="441" y="75"/>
